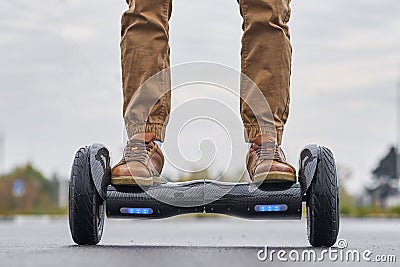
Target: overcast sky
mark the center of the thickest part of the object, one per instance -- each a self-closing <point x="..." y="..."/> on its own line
<point x="60" y="79"/>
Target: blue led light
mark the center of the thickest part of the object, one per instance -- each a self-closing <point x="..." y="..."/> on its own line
<point x="270" y="208"/>
<point x="136" y="210"/>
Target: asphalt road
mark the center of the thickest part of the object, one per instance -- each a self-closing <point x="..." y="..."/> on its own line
<point x="183" y="241"/>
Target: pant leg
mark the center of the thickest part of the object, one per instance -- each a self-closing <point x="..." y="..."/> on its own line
<point x="145" y="52"/>
<point x="266" y="60"/>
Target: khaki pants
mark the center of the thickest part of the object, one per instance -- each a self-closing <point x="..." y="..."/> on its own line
<point x="265" y="59"/>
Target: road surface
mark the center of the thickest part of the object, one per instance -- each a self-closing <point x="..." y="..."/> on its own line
<point x="190" y="241"/>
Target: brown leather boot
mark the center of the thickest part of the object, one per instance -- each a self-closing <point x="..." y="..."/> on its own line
<point x="141" y="164"/>
<point x="267" y="163"/>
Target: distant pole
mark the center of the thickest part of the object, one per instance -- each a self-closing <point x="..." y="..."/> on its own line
<point x="1" y="154"/>
<point x="398" y="111"/>
<point x="398" y="123"/>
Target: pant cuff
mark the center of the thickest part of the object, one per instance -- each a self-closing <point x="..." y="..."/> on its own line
<point x="251" y="131"/>
<point x="157" y="129"/>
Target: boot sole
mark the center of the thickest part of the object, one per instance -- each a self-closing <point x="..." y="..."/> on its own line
<point x="134" y="180"/>
<point x="274" y="177"/>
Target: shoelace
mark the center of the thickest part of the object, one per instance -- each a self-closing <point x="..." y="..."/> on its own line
<point x="267" y="151"/>
<point x="137" y="150"/>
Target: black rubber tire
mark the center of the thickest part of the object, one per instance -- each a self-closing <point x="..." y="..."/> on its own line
<point x="86" y="208"/>
<point x="323" y="202"/>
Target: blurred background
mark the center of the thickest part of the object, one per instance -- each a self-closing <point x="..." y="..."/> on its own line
<point x="60" y="88"/>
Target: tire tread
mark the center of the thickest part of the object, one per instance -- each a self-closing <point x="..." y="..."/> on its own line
<point x="83" y="202"/>
<point x="323" y="202"/>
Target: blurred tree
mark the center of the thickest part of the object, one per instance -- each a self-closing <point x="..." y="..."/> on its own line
<point x="387" y="167"/>
<point x="386" y="178"/>
<point x="38" y="194"/>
